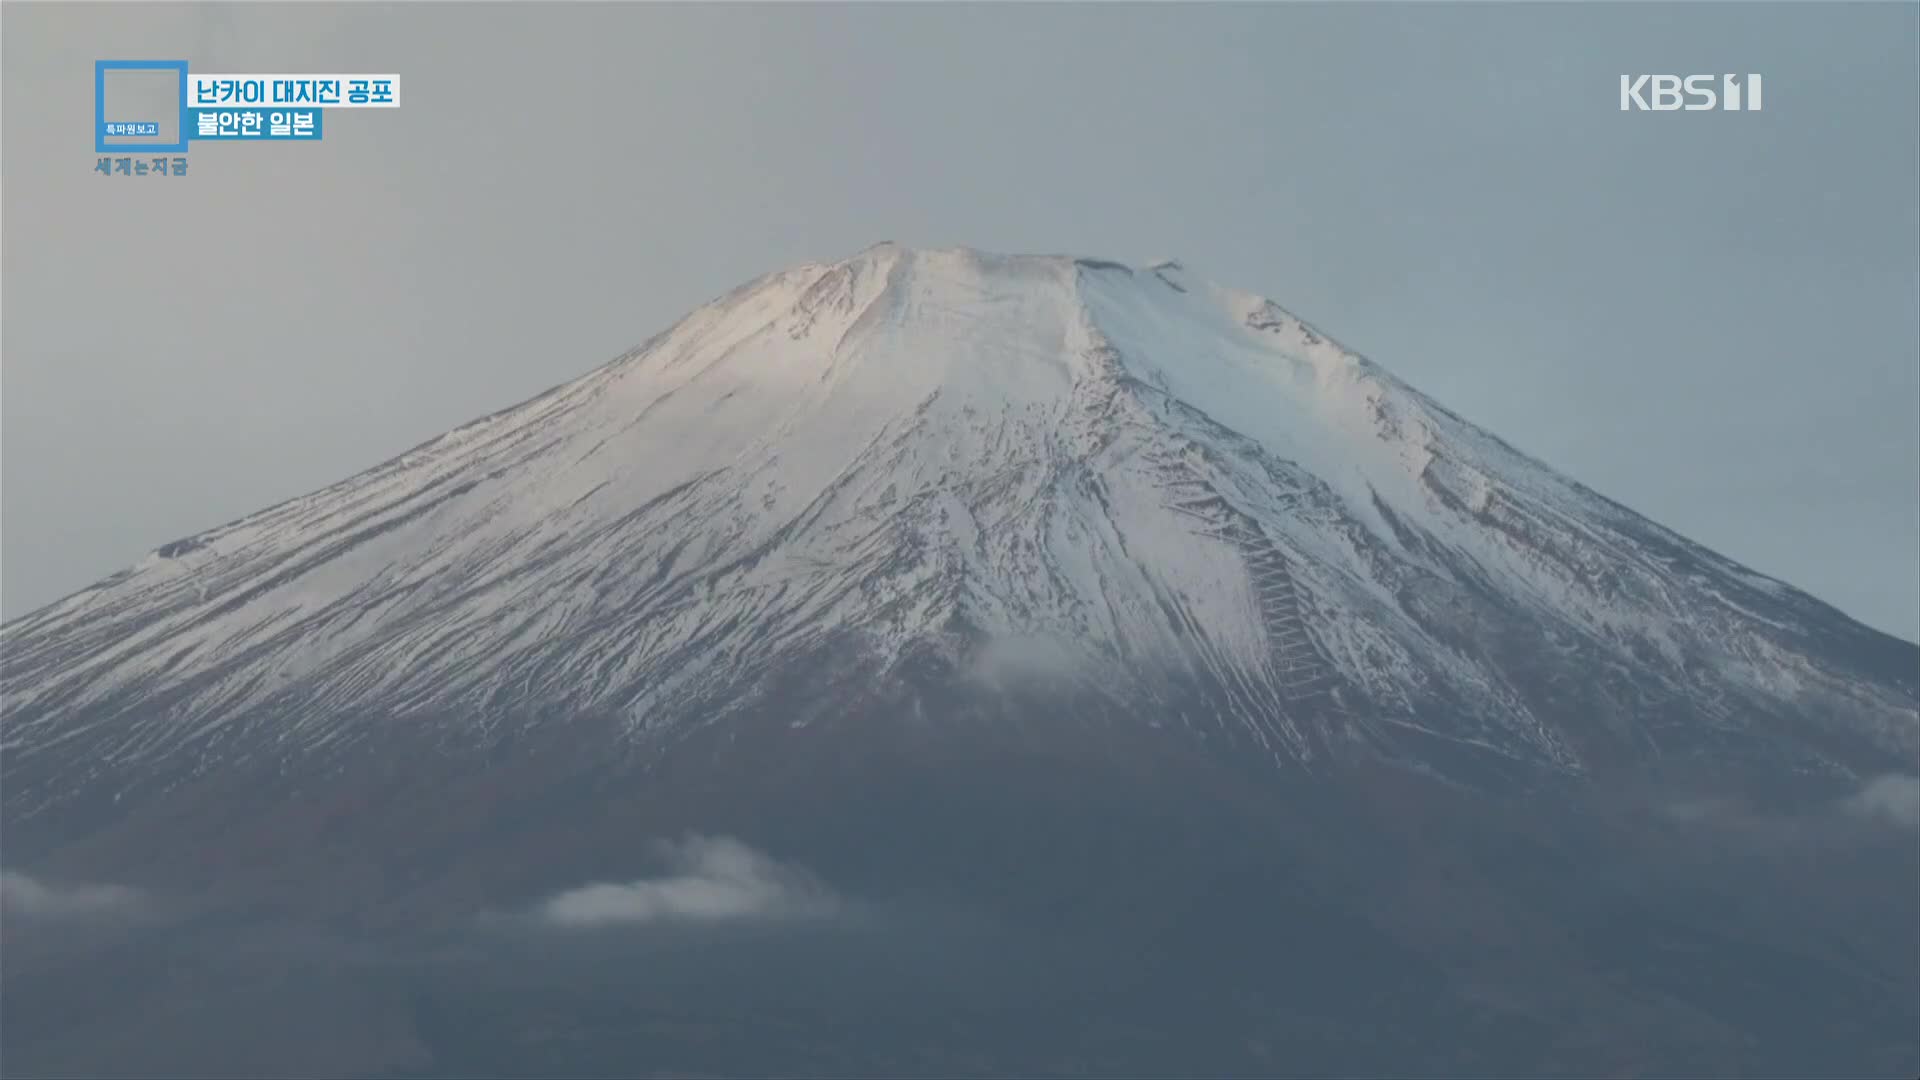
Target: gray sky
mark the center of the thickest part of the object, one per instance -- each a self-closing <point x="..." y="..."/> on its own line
<point x="1711" y="317"/>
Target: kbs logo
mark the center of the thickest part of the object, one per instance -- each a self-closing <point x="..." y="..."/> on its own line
<point x="1694" y="93"/>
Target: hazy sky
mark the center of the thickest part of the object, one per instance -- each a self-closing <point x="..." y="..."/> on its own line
<point x="1711" y="317"/>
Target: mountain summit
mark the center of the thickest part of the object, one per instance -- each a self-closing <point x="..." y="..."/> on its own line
<point x="1147" y="683"/>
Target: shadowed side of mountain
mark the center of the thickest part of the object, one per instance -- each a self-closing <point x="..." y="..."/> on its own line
<point x="1006" y="903"/>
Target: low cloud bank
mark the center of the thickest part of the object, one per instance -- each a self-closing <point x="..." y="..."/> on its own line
<point x="1893" y="798"/>
<point x="21" y="894"/>
<point x="710" y="879"/>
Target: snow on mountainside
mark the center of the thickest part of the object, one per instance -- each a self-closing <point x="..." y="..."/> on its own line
<point x="1205" y="510"/>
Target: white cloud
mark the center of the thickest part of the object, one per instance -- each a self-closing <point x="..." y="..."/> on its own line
<point x="21" y="894"/>
<point x="1893" y="798"/>
<point x="712" y="879"/>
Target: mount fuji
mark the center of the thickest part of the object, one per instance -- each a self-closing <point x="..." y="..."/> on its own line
<point x="1230" y="706"/>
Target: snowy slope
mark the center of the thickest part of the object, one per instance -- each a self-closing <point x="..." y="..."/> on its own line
<point x="1129" y="480"/>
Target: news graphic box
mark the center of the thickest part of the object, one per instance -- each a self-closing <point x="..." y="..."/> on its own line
<point x="140" y="106"/>
<point x="268" y="91"/>
<point x="255" y="124"/>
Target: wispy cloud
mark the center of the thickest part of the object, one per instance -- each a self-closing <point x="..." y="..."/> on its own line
<point x="1007" y="663"/>
<point x="710" y="879"/>
<point x="1894" y="799"/>
<point x="21" y="894"/>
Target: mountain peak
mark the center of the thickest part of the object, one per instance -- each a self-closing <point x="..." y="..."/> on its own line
<point x="985" y="260"/>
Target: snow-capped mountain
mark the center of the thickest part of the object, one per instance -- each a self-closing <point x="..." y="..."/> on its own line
<point x="1180" y="500"/>
<point x="1075" y="669"/>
